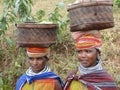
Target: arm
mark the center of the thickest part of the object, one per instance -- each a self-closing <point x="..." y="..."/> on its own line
<point x="57" y="85"/>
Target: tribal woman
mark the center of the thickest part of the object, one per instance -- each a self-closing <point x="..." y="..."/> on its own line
<point x="89" y="74"/>
<point x="39" y="76"/>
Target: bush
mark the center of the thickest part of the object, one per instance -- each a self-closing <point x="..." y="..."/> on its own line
<point x="117" y="2"/>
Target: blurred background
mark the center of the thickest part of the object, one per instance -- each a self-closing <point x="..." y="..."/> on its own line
<point x="13" y="60"/>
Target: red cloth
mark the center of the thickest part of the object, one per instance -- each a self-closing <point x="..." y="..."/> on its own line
<point x="88" y="41"/>
<point x="99" y="78"/>
<point x="38" y="52"/>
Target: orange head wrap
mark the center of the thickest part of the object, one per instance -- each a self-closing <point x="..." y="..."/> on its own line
<point x="37" y="52"/>
<point x="88" y="41"/>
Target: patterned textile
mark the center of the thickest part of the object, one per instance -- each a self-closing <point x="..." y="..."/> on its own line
<point x="76" y="85"/>
<point x="29" y="79"/>
<point x="42" y="84"/>
<point x="38" y="52"/>
<point x="88" y="41"/>
<point x="77" y="34"/>
<point x="99" y="80"/>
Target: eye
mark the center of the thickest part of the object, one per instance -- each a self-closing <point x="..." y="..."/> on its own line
<point x="30" y="58"/>
<point x="88" y="51"/>
<point x="79" y="51"/>
<point x="39" y="58"/>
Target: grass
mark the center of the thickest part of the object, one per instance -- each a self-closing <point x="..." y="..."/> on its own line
<point x="63" y="58"/>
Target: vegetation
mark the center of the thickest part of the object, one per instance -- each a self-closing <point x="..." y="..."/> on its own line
<point x="117" y="3"/>
<point x="13" y="60"/>
<point x="14" y="11"/>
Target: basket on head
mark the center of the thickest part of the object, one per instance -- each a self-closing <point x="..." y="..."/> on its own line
<point x="36" y="35"/>
<point x="93" y="15"/>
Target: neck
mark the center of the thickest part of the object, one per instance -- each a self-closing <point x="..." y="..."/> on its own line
<point x="30" y="72"/>
<point x="86" y="70"/>
<point x="37" y="71"/>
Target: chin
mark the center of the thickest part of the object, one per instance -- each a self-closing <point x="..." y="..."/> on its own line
<point x="36" y="71"/>
<point x="86" y="66"/>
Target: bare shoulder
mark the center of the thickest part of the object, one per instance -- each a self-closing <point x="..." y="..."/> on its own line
<point x="57" y="85"/>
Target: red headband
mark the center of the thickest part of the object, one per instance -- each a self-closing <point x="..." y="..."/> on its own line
<point x="37" y="52"/>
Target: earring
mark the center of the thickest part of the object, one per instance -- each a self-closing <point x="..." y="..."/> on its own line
<point x="98" y="57"/>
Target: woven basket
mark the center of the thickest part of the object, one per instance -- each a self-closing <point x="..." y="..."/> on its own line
<point x="92" y="15"/>
<point x="36" y="35"/>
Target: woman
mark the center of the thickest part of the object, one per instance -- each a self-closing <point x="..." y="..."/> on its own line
<point x="39" y="75"/>
<point x="90" y="74"/>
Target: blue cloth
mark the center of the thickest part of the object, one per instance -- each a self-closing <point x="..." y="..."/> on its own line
<point x="25" y="78"/>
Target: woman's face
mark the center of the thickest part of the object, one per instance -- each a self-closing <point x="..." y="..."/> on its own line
<point x="87" y="57"/>
<point x="37" y="64"/>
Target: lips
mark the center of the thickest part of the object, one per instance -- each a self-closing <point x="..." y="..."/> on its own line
<point x="84" y="62"/>
<point x="35" y="67"/>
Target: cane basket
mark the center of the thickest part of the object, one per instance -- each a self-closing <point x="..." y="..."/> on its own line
<point x="92" y="15"/>
<point x="36" y="35"/>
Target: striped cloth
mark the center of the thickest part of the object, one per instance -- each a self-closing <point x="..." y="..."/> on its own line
<point x="38" y="51"/>
<point x="88" y="41"/>
<point x="99" y="80"/>
<point x="26" y="78"/>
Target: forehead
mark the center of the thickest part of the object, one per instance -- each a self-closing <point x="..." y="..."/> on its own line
<point x="36" y="57"/>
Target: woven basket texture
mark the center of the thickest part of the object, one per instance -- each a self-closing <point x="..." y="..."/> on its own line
<point x="36" y="35"/>
<point x="91" y="16"/>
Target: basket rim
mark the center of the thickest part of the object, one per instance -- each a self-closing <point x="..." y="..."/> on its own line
<point x="93" y="22"/>
<point x="87" y="4"/>
<point x="36" y="25"/>
<point x="49" y="42"/>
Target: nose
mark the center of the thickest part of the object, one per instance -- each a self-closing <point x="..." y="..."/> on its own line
<point x="34" y="61"/>
<point x="83" y="54"/>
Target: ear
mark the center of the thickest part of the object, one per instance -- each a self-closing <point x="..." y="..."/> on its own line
<point x="46" y="58"/>
<point x="98" y="51"/>
<point x="98" y="55"/>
